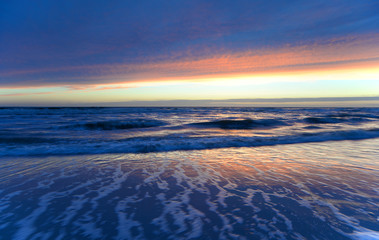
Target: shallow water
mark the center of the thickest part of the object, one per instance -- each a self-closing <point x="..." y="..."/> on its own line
<point x="324" y="190"/>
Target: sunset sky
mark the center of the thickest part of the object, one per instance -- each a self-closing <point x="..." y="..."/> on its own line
<point x="221" y="52"/>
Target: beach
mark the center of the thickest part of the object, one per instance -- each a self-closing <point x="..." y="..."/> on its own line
<point x="299" y="190"/>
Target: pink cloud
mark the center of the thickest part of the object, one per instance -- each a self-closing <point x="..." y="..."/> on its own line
<point x="360" y="50"/>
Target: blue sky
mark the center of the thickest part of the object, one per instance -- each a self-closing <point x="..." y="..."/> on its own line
<point x="51" y="51"/>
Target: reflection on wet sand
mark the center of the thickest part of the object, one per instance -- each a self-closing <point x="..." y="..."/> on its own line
<point x="303" y="191"/>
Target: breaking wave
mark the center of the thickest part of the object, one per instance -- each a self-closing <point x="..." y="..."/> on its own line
<point x="179" y="142"/>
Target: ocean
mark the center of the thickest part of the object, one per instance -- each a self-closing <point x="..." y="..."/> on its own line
<point x="189" y="173"/>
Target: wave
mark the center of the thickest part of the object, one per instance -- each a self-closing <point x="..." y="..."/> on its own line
<point x="117" y="124"/>
<point x="323" y="120"/>
<point x="175" y="143"/>
<point x="354" y="115"/>
<point x="239" y="124"/>
<point x="342" y="118"/>
<point x="331" y="120"/>
<point x="27" y="140"/>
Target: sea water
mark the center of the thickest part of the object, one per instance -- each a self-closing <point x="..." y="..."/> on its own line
<point x="189" y="173"/>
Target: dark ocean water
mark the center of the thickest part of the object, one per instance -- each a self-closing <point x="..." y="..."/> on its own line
<point x="72" y="131"/>
<point x="189" y="173"/>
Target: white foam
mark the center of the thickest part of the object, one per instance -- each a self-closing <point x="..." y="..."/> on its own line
<point x="366" y="235"/>
<point x="126" y="223"/>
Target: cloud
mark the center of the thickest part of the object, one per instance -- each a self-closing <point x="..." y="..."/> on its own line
<point x="49" y="43"/>
<point x="351" y="51"/>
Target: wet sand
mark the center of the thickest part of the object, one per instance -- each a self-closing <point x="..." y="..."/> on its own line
<point x="300" y="191"/>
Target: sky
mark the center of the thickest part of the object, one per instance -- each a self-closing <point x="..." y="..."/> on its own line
<point x="176" y="52"/>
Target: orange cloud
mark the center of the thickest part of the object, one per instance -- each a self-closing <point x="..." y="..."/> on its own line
<point x="358" y="52"/>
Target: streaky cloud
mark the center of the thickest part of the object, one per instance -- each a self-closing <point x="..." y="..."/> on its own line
<point x="337" y="52"/>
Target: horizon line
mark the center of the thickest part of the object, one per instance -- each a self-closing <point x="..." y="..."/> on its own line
<point x="262" y="102"/>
